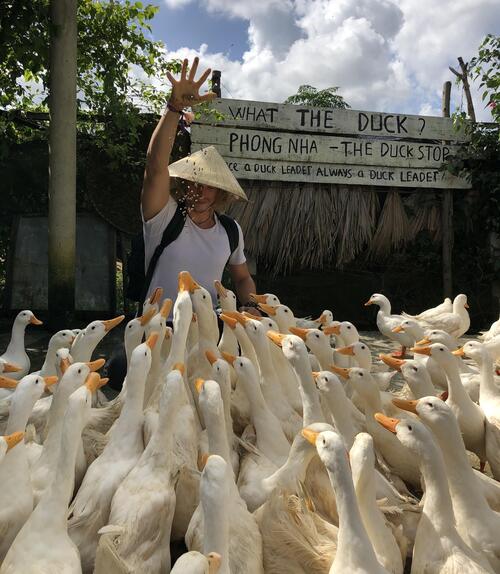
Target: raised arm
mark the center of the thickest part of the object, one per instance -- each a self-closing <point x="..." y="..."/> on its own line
<point x="185" y="92"/>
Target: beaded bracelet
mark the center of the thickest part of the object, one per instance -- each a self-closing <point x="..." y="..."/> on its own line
<point x="171" y="108"/>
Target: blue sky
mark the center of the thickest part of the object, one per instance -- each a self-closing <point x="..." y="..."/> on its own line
<point x="385" y="55"/>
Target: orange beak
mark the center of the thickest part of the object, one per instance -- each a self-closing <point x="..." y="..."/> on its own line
<point x="186" y="282"/>
<point x="250" y="316"/>
<point x="94" y="382"/>
<point x="261" y="299"/>
<point x="424" y="341"/>
<point x="198" y="384"/>
<point x="389" y="423"/>
<point x="276" y="338"/>
<point x="151" y="340"/>
<point x="344" y="373"/>
<point x="214" y="562"/>
<point x="92" y="365"/>
<point x="345" y="351"/>
<point x="146" y="318"/>
<point x="422" y="350"/>
<point x="332" y="330"/>
<point x="10" y="368"/>
<point x="459" y="352"/>
<point x="315" y="374"/>
<point x="229" y="321"/>
<point x="156" y="296"/>
<point x="236" y="315"/>
<point x="165" y="308"/>
<point x="398" y="329"/>
<point x="268" y="309"/>
<point x="466" y="305"/>
<point x="302" y="333"/>
<point x="13" y="439"/>
<point x="221" y="290"/>
<point x="35" y="321"/>
<point x="64" y="365"/>
<point x="110" y="323"/>
<point x="405" y="405"/>
<point x="7" y="383"/>
<point x="202" y="461"/>
<point x="49" y="381"/>
<point x="211" y="357"/>
<point x="178" y="367"/>
<point x="321" y="319"/>
<point x="369" y="302"/>
<point x="392" y="361"/>
<point x="229" y="358"/>
<point x="310" y="435"/>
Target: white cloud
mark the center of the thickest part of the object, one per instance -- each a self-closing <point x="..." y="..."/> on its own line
<point x="385" y="55"/>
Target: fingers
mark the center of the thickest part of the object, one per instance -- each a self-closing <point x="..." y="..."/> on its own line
<point x="193" y="69"/>
<point x="171" y="79"/>
<point x="207" y="97"/>
<point x="184" y="68"/>
<point x="203" y="77"/>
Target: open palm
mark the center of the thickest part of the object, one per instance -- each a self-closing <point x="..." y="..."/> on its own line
<point x="185" y="91"/>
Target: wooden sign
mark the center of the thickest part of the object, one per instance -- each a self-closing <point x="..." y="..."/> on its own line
<point x="289" y="117"/>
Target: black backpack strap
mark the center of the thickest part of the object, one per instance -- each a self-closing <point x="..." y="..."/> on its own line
<point x="170" y="234"/>
<point x="229" y="224"/>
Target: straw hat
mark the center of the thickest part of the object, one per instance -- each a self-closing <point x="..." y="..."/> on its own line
<point x="207" y="167"/>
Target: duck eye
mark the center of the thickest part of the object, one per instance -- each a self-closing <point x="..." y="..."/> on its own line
<point x="415" y="369"/>
<point x="145" y="353"/>
<point x="410" y="427"/>
<point x="286" y="310"/>
<point x="361" y="374"/>
<point x="348" y="326"/>
<point x="316" y="335"/>
<point x="93" y="327"/>
<point x="363" y="347"/>
<point x="79" y="371"/>
<point x="430" y="405"/>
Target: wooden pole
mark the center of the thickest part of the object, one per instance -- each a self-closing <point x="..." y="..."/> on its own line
<point x="62" y="162"/>
<point x="447" y="214"/>
<point x="216" y="82"/>
<point x="464" y="78"/>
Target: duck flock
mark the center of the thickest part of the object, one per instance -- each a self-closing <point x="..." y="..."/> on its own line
<point x="275" y="447"/>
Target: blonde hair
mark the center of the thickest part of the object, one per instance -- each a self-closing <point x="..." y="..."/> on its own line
<point x="180" y="190"/>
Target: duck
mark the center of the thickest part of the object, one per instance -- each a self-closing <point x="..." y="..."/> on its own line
<point x="414" y="373"/>
<point x="16" y="494"/>
<point x="57" y="554"/>
<point x="439" y="548"/>
<point x="90" y="508"/>
<point x="222" y="522"/>
<point x="361" y="353"/>
<point x="146" y="496"/>
<point x="387" y="321"/>
<point x="445" y="307"/>
<point x="354" y="549"/>
<point x="379" y="530"/>
<point x="282" y="314"/>
<point x="456" y="322"/>
<point x="61" y="340"/>
<point x="227" y="301"/>
<point x="7" y="368"/>
<point x="469" y="415"/>
<point x="15" y="352"/>
<point x="8" y="442"/>
<point x="492" y="332"/>
<point x="43" y="469"/>
<point x="85" y="343"/>
<point x="195" y="563"/>
<point x="476" y="523"/>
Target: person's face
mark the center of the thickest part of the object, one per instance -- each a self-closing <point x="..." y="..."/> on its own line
<point x="204" y="198"/>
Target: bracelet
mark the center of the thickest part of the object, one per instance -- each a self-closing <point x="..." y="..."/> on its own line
<point x="171" y="108"/>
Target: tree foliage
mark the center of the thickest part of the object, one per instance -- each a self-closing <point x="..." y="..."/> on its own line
<point x="311" y="96"/>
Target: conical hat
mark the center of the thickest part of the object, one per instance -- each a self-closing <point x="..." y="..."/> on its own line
<point x="207" y="167"/>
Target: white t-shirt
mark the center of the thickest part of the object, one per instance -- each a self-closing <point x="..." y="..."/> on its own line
<point x="202" y="252"/>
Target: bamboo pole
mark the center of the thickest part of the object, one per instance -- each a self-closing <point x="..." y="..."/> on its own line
<point x="447" y="214"/>
<point x="62" y="162"/>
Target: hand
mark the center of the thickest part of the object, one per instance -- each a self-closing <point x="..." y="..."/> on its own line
<point x="185" y="91"/>
<point x="251" y="310"/>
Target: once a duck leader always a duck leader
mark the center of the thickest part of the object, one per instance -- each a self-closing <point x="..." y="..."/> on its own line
<point x="206" y="184"/>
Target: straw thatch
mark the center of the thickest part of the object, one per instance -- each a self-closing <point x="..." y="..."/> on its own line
<point x="393" y="230"/>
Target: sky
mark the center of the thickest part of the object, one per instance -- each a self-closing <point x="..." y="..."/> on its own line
<point x="385" y="55"/>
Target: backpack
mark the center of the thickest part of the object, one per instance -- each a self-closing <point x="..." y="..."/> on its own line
<point x="138" y="281"/>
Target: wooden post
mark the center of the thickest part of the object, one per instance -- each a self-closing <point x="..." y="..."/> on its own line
<point x="216" y="82"/>
<point x="62" y="163"/>
<point x="447" y="214"/>
<point x="464" y="78"/>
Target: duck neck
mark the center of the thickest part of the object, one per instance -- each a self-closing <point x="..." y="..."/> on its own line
<point x="341" y="410"/>
<point x="456" y="391"/>
<point x="55" y="420"/>
<point x="311" y="406"/>
<point x="270" y="384"/>
<point x="20" y="411"/>
<point x="216" y="524"/>
<point x="225" y="391"/>
<point x="247" y="349"/>
<point x="294" y="470"/>
<point x="161" y="442"/>
<point x="16" y="343"/>
<point x="487" y="388"/>
<point x="132" y="410"/>
<point x="324" y="354"/>
<point x="437" y="501"/>
<point x="217" y="436"/>
<point x="48" y="367"/>
<point x="228" y="341"/>
<point x="384" y="307"/>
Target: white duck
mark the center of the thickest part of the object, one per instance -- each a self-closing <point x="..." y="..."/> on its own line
<point x="143" y="506"/>
<point x="354" y="550"/>
<point x="85" y="343"/>
<point x="445" y="307"/>
<point x="227" y="301"/>
<point x="16" y="494"/>
<point x="15" y="352"/>
<point x="438" y="549"/>
<point x="90" y="509"/>
<point x="387" y="321"/>
<point x="414" y="373"/>
<point x="57" y="554"/>
<point x="361" y="354"/>
<point x="282" y="314"/>
<point x="492" y="332"/>
<point x="195" y="563"/>
<point x="362" y="459"/>
<point x="477" y="524"/>
<point x="455" y="323"/>
<point x="8" y="442"/>
<point x="60" y="340"/>
<point x="5" y="369"/>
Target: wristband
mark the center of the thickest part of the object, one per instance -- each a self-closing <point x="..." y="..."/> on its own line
<point x="171" y="108"/>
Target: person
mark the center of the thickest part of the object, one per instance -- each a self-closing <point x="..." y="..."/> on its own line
<point x="205" y="185"/>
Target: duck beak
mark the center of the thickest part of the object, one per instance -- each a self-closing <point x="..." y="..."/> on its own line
<point x="236" y="315"/>
<point x="94" y="382"/>
<point x="211" y="356"/>
<point x="333" y="330"/>
<point x="302" y="333"/>
<point x="229" y="321"/>
<point x="179" y="367"/>
<point x="276" y="338"/>
<point x="392" y="361"/>
<point x="310" y="435"/>
<point x="315" y="374"/>
<point x="165" y="308"/>
<point x="398" y="329"/>
<point x="156" y="296"/>
<point x="423" y="342"/>
<point x="111" y="323"/>
<point x="186" y="282"/>
<point x="10" y="368"/>
<point x="344" y="373"/>
<point x="146" y="318"/>
<point x="388" y="423"/>
<point x="35" y="321"/>
<point x="466" y="305"/>
<point x="260" y="299"/>
<point x="214" y="562"/>
<point x="422" y="350"/>
<point x="49" y="381"/>
<point x="151" y="340"/>
<point x="92" y="365"/>
<point x="221" y="290"/>
<point x="369" y="302"/>
<point x="250" y="316"/>
<point x="349" y="351"/>
<point x="405" y="405"/>
<point x="229" y="358"/>
<point x="13" y="439"/>
<point x="198" y="385"/>
<point x="459" y="352"/>
<point x="7" y="383"/>
<point x="268" y="309"/>
<point x="443" y="396"/>
<point x="202" y="461"/>
<point x="65" y="364"/>
<point x="321" y="319"/>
